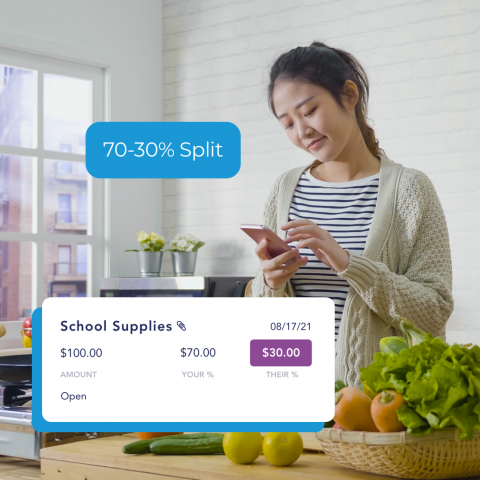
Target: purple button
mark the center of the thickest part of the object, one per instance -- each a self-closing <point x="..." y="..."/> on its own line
<point x="280" y="353"/>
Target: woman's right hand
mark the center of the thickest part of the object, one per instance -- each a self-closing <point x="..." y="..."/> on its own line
<point x="277" y="275"/>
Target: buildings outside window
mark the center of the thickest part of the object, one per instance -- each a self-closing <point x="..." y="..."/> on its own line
<point x="44" y="185"/>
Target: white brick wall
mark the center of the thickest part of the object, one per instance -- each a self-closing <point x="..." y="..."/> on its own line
<point x="423" y="60"/>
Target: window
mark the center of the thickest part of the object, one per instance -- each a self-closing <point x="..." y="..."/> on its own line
<point x="4" y="303"/>
<point x="81" y="258"/>
<point x="64" y="168"/>
<point x="64" y="215"/>
<point x="65" y="147"/>
<point x="65" y="204"/>
<point x="16" y="279"/>
<point x="81" y="170"/>
<point x="46" y="195"/>
<point x="5" y="256"/>
<point x="82" y="207"/>
<point x="64" y="259"/>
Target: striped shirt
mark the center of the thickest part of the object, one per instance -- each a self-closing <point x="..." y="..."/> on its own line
<point x="346" y="210"/>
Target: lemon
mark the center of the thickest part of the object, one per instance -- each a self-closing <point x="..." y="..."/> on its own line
<point x="242" y="447"/>
<point x="27" y="341"/>
<point x="282" y="448"/>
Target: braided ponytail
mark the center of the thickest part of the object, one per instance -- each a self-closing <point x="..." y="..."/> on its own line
<point x="329" y="68"/>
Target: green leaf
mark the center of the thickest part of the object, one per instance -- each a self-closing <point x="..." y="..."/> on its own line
<point x="418" y="390"/>
<point x="415" y="424"/>
<point x="393" y="344"/>
<point x="473" y="385"/>
<point x="339" y="385"/>
<point x="414" y="335"/>
<point x="374" y="372"/>
<point x="386" y="372"/>
<point x="474" y="353"/>
<point x="463" y="417"/>
<point x="439" y="382"/>
<point x="197" y="246"/>
<point x="132" y="250"/>
<point x="456" y="395"/>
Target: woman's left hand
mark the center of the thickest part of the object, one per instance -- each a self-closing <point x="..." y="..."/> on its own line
<point x="320" y="242"/>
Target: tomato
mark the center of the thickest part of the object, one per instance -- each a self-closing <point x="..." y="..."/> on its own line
<point x="27" y="327"/>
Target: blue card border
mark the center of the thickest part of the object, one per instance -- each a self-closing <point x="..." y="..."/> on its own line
<point x="42" y="425"/>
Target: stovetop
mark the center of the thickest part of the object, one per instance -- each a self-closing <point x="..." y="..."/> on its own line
<point x="22" y="441"/>
<point x="16" y="415"/>
<point x="16" y="405"/>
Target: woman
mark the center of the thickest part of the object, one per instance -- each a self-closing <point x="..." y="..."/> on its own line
<point x="371" y="233"/>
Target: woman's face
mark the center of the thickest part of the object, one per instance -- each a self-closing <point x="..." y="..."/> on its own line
<point x="308" y="113"/>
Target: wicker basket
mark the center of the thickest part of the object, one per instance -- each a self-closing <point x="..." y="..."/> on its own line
<point x="440" y="454"/>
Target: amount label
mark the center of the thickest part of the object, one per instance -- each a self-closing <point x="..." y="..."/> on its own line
<point x="81" y="352"/>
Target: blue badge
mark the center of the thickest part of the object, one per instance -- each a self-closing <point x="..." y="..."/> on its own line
<point x="163" y="150"/>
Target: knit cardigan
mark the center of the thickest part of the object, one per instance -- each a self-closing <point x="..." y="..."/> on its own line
<point x="405" y="269"/>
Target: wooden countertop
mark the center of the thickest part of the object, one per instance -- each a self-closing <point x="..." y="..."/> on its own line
<point x="12" y="468"/>
<point x="103" y="459"/>
<point x="15" y="351"/>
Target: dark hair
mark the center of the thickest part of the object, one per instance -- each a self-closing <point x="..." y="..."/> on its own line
<point x="330" y="68"/>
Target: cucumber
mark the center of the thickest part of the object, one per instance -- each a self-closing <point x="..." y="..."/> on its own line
<point x="177" y="446"/>
<point x="143" y="446"/>
<point x="188" y="436"/>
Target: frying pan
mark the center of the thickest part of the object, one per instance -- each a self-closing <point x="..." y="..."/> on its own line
<point x="15" y="369"/>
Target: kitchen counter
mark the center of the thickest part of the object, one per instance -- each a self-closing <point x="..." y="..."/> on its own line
<point x="13" y="468"/>
<point x="102" y="459"/>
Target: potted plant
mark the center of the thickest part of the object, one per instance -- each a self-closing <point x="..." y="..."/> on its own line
<point x="150" y="255"/>
<point x="184" y="253"/>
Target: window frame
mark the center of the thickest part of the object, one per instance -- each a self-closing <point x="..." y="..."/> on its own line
<point x="97" y="188"/>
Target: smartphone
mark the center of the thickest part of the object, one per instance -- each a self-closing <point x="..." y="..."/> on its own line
<point x="276" y="246"/>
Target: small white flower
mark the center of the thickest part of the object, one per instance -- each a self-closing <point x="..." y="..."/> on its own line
<point x="184" y="242"/>
<point x="141" y="237"/>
